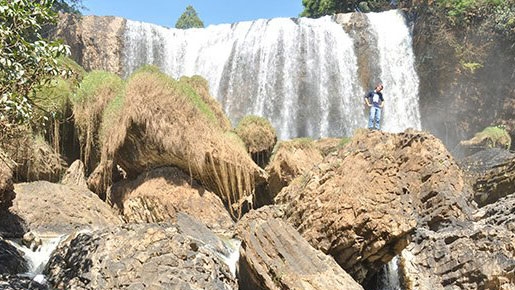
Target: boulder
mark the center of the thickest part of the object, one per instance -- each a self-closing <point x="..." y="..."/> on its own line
<point x="50" y="207"/>
<point x="361" y="204"/>
<point x="137" y="256"/>
<point x="20" y="282"/>
<point x="275" y="256"/>
<point x="491" y="173"/>
<point x="75" y="175"/>
<point x="478" y="254"/>
<point x="160" y="194"/>
<point x="164" y="122"/>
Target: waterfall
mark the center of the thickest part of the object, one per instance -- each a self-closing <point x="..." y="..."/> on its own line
<point x="398" y="74"/>
<point x="301" y="74"/>
<point x="38" y="257"/>
<point x="389" y="276"/>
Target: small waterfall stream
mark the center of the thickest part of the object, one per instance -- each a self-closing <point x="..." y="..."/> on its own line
<point x="301" y="74"/>
<point x="37" y="256"/>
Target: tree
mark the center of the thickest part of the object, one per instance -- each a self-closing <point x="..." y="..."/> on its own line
<point x="318" y="8"/>
<point x="27" y="60"/>
<point x="189" y="19"/>
<point x="68" y="6"/>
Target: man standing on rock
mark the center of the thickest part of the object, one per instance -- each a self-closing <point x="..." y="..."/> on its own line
<point x="375" y="101"/>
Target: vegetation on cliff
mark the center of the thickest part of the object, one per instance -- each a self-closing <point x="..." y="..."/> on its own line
<point x="259" y="136"/>
<point x="161" y="121"/>
<point x="95" y="92"/>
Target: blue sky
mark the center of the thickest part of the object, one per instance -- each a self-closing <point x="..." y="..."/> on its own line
<point x="166" y="12"/>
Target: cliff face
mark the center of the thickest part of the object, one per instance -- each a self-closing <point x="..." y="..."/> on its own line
<point x="466" y="76"/>
<point x="95" y="42"/>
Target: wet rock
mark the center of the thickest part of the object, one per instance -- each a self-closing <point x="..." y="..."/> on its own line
<point x="50" y="207"/>
<point x="491" y="173"/>
<point x="90" y="49"/>
<point x="275" y="256"/>
<point x="11" y="260"/>
<point x="158" y="195"/>
<point x="20" y="282"/>
<point x="137" y="256"/>
<point x="362" y="204"/>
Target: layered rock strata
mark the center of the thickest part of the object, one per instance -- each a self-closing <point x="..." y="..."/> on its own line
<point x="274" y="256"/>
<point x="362" y="204"/>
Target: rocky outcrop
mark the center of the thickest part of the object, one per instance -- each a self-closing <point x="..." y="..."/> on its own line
<point x="160" y="194"/>
<point x="491" y="173"/>
<point x="136" y="257"/>
<point x="291" y="159"/>
<point x="468" y="256"/>
<point x="49" y="207"/>
<point x="7" y="193"/>
<point x="361" y="205"/>
<point x="90" y="49"/>
<point x="274" y="256"/>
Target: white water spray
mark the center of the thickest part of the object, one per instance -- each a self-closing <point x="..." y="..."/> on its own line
<point x="398" y="73"/>
<point x="38" y="258"/>
<point x="301" y="74"/>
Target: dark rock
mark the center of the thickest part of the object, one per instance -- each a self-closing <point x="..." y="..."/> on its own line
<point x="11" y="260"/>
<point x="134" y="257"/>
<point x="275" y="256"/>
<point x="470" y="256"/>
<point x="20" y="282"/>
<point x="491" y="173"/>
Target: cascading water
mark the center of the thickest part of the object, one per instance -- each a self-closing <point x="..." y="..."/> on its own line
<point x="301" y="74"/>
<point x="397" y="63"/>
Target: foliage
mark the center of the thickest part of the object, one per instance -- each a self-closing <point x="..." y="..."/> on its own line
<point x="463" y="12"/>
<point x="318" y="8"/>
<point x="68" y="6"/>
<point x="93" y="83"/>
<point x="27" y="61"/>
<point x="189" y="19"/>
<point x="497" y="136"/>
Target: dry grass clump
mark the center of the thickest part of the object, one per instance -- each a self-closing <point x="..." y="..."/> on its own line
<point x="95" y="92"/>
<point x="259" y="137"/>
<point x="164" y="122"/>
<point x="201" y="87"/>
<point x="32" y="158"/>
